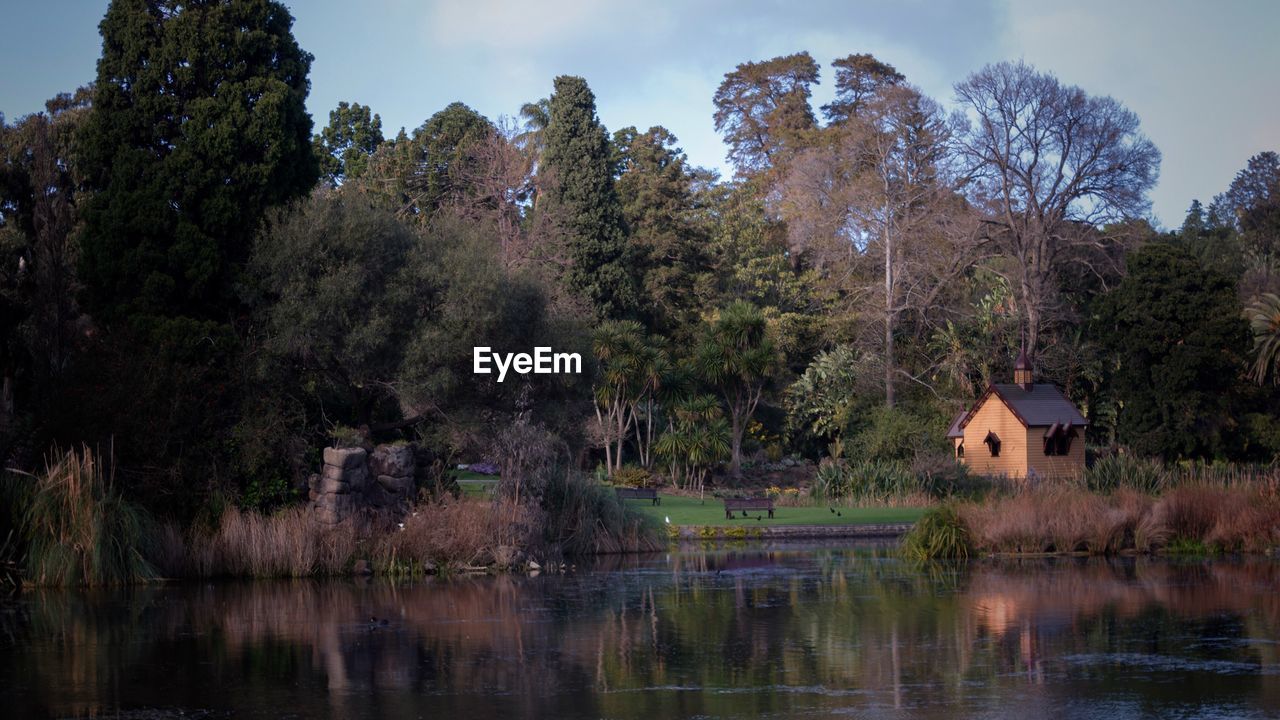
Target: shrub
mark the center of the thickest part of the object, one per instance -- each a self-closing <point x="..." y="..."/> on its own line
<point x="1118" y="471"/>
<point x="346" y="437"/>
<point x="584" y="517"/>
<point x="868" y="481"/>
<point x="631" y="476"/>
<point x="894" y="434"/>
<point x="940" y="534"/>
<point x="79" y="530"/>
<point x="456" y="533"/>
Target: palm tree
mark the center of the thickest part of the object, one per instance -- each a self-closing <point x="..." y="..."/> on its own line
<point x="532" y="140"/>
<point x="619" y="346"/>
<point x="696" y="439"/>
<point x="1264" y="320"/>
<point x="737" y="357"/>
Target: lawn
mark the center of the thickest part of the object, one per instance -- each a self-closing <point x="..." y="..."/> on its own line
<point x="474" y="484"/>
<point x="691" y="511"/>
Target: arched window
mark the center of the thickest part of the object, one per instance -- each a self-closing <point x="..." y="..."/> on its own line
<point x="993" y="443"/>
<point x="960" y="449"/>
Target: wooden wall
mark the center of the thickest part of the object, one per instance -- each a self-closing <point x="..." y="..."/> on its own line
<point x="1021" y="448"/>
<point x="993" y="416"/>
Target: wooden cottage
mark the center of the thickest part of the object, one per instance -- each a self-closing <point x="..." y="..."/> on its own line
<point x="1021" y="429"/>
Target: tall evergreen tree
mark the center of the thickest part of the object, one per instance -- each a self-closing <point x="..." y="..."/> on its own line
<point x="343" y="147"/>
<point x="582" y="198"/>
<point x="1174" y="330"/>
<point x="656" y="191"/>
<point x="199" y="125"/>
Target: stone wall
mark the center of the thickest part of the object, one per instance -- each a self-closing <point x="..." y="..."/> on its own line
<point x="354" y="479"/>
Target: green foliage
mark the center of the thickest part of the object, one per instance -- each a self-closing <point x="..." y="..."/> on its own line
<point x="656" y="193"/>
<point x="369" y="322"/>
<point x="584" y="517"/>
<point x="940" y="535"/>
<point x="199" y="126"/>
<point x="1175" y="332"/>
<point x="1118" y="471"/>
<point x="1263" y="315"/>
<point x="447" y="142"/>
<point x="79" y="530"/>
<point x="697" y="439"/>
<point x="583" y="203"/>
<point x="892" y="433"/>
<point x="823" y="399"/>
<point x="344" y="146"/>
<point x="867" y="480"/>
<point x="344" y="436"/>
<point x="737" y="357"/>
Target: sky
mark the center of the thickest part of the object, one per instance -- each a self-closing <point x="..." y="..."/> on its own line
<point x="1204" y="78"/>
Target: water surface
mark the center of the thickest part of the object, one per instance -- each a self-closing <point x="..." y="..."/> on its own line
<point x="763" y="631"/>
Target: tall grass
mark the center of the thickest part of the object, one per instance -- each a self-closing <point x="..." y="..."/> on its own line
<point x="79" y="530"/>
<point x="940" y="533"/>
<point x="1116" y="472"/>
<point x="288" y="543"/>
<point x="457" y="533"/>
<point x="584" y="517"/>
<point x="1062" y="519"/>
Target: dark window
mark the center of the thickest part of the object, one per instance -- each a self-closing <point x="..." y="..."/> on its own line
<point x="960" y="449"/>
<point x="1059" y="442"/>
<point x="993" y="444"/>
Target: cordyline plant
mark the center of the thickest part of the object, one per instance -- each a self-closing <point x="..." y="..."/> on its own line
<point x="737" y="356"/>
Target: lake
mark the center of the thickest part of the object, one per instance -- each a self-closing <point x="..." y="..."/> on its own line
<point x="788" y="630"/>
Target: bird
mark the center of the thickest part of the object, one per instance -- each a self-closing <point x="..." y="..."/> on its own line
<point x="839" y="514"/>
<point x="668" y="519"/>
<point x="757" y="518"/>
<point x="744" y="513"/>
<point x="833" y="510"/>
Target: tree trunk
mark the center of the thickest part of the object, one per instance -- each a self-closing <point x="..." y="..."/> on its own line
<point x="888" y="310"/>
<point x="735" y="458"/>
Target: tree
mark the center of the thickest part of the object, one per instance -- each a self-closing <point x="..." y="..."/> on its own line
<point x="872" y="204"/>
<point x="448" y="142"/>
<point x="39" y="195"/>
<point x="859" y="79"/>
<point x="199" y="126"/>
<point x="762" y="109"/>
<point x="632" y="372"/>
<point x="697" y="439"/>
<point x="1264" y="323"/>
<point x="369" y="321"/>
<point x="737" y="357"/>
<point x="343" y="147"/>
<point x="582" y="198"/>
<point x="656" y="192"/>
<point x="1174" y="330"/>
<point x="1250" y="212"/>
<point x="1046" y="160"/>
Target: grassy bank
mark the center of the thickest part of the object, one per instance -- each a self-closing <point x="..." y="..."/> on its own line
<point x="76" y="529"/>
<point x="687" y="511"/>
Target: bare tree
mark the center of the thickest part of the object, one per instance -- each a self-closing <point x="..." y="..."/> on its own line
<point x="875" y="207"/>
<point x="500" y="179"/>
<point x="1046" y="159"/>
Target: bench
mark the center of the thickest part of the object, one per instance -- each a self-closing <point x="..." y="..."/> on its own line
<point x="625" y="493"/>
<point x="732" y="505"/>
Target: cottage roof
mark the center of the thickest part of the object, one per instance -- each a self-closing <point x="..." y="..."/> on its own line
<point x="956" y="430"/>
<point x="1038" y="405"/>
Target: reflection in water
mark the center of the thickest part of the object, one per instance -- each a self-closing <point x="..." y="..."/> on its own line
<point x="783" y="631"/>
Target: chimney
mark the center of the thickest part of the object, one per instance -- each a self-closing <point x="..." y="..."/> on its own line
<point x="1022" y="374"/>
